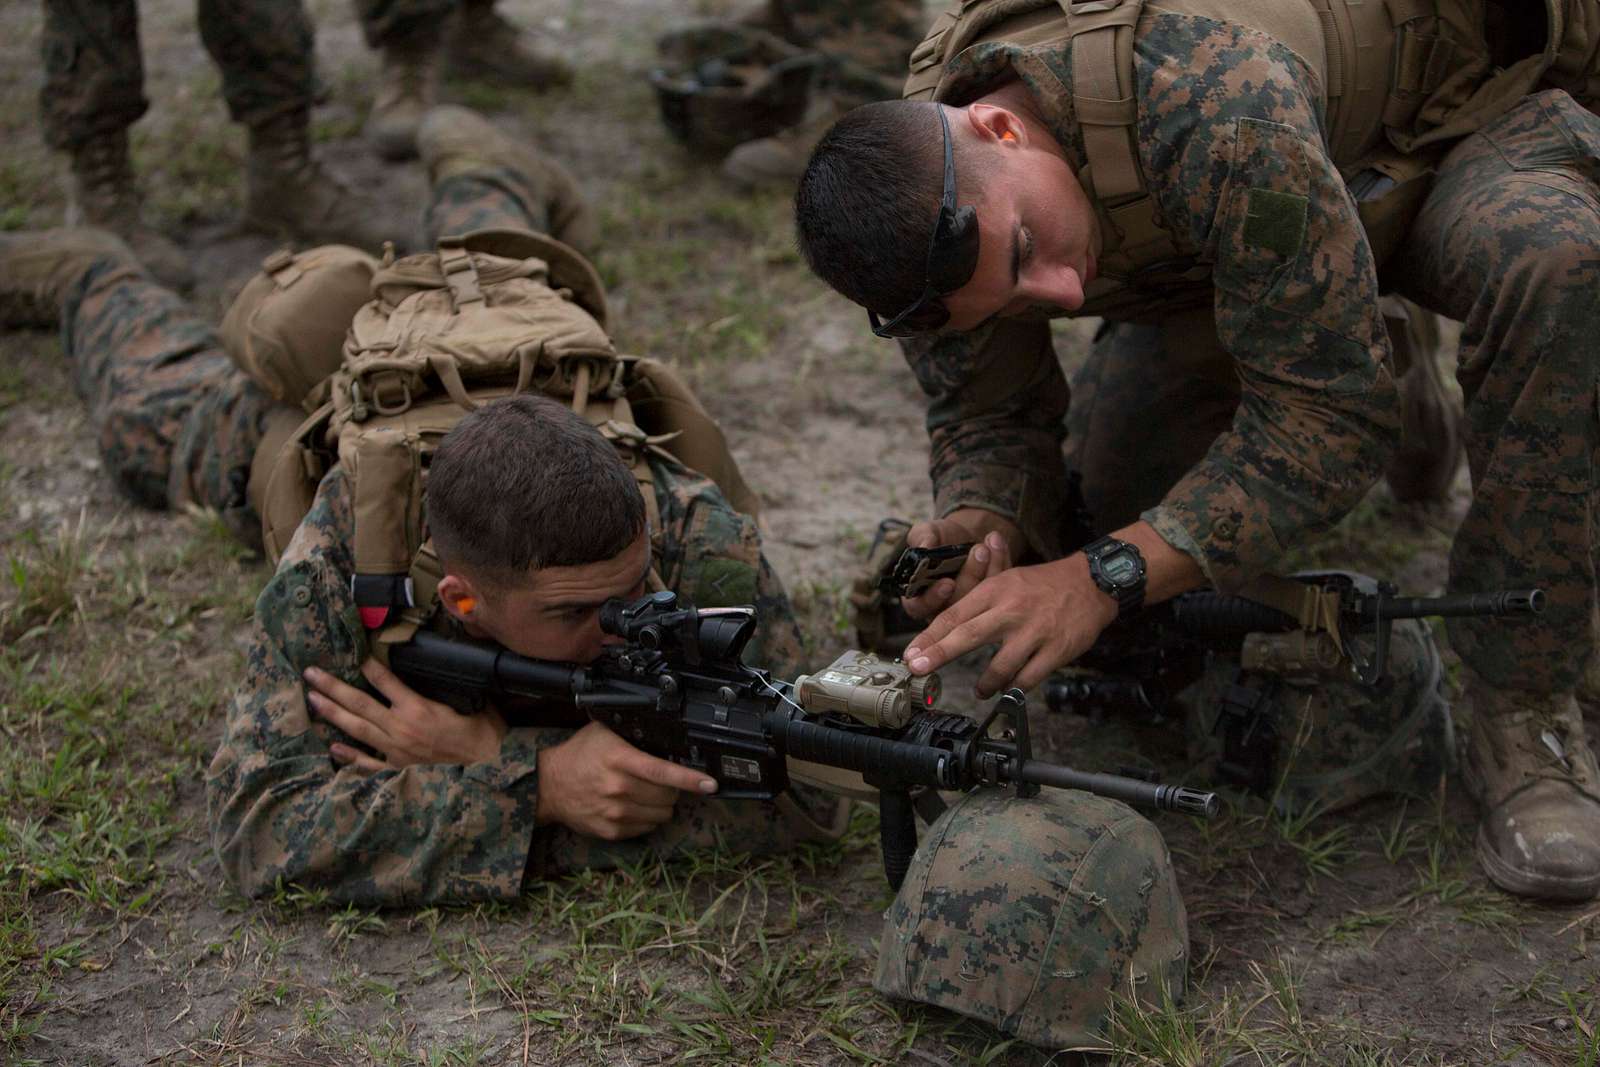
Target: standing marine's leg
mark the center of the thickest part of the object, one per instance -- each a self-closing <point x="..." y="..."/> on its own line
<point x="409" y="38"/>
<point x="1507" y="242"/>
<point x="93" y="91"/>
<point x="264" y="49"/>
<point x="416" y="38"/>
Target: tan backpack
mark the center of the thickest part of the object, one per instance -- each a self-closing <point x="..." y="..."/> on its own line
<point x="1402" y="79"/>
<point x="489" y="314"/>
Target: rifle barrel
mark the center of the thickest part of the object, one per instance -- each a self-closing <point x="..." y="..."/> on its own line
<point x="1501" y="602"/>
<point x="1178" y="798"/>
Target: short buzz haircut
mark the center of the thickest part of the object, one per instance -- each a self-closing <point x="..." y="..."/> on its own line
<point x="868" y="201"/>
<point x="524" y="483"/>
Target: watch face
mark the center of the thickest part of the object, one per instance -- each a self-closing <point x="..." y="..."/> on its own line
<point x="1121" y="568"/>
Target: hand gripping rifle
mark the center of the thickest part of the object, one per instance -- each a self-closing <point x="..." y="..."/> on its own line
<point x="676" y="688"/>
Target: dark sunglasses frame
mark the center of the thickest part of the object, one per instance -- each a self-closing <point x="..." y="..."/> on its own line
<point x="952" y="257"/>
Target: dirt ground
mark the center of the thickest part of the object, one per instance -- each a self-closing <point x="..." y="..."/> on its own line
<point x="1366" y="937"/>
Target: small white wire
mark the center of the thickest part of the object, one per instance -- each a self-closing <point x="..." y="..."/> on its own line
<point x="779" y="693"/>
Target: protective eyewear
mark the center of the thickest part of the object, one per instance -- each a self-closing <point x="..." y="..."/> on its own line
<point x="952" y="257"/>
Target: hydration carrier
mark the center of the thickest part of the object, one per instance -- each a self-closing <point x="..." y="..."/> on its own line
<point x="488" y="314"/>
<point x="1400" y="81"/>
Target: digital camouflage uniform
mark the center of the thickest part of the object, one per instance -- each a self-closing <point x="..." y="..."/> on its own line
<point x="94" y="73"/>
<point x="1505" y="242"/>
<point x="178" y="423"/>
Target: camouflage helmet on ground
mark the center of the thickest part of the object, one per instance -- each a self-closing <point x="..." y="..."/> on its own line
<point x="1033" y="914"/>
<point x="721" y="84"/>
<point x="1325" y="740"/>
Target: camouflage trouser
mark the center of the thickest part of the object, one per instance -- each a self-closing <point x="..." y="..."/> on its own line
<point x="94" y="74"/>
<point x="488" y="199"/>
<point x="177" y="421"/>
<point x="870" y="41"/>
<point x="1507" y="242"/>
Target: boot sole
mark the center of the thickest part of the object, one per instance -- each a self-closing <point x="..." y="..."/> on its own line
<point x="1526" y="884"/>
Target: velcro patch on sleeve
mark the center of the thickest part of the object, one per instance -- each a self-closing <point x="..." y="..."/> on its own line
<point x="1276" y="221"/>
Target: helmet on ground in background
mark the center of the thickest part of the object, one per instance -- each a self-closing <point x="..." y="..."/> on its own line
<point x="721" y="84"/>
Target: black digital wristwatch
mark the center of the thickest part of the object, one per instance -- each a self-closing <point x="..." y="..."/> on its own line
<point x="1118" y="569"/>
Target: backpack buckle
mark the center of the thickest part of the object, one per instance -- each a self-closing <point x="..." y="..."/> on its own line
<point x="378" y="594"/>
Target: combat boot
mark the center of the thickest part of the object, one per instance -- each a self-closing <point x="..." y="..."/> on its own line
<point x="39" y="267"/>
<point x="1530" y="765"/>
<point x="457" y="140"/>
<point x="289" y="192"/>
<point x="485" y="47"/>
<point x="104" y="194"/>
<point x="779" y="161"/>
<point x="408" y="87"/>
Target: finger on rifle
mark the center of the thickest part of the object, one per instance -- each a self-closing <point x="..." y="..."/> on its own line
<point x="972" y="634"/>
<point x="642" y="793"/>
<point x="930" y="650"/>
<point x="650" y="768"/>
<point x="346" y="696"/>
<point x="345" y="756"/>
<point x="364" y="730"/>
<point x="1015" y="653"/>
<point x="654" y="814"/>
<point x="386" y="681"/>
<point x="1040" y="667"/>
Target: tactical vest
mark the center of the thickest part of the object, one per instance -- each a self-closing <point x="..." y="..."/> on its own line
<point x="1399" y="79"/>
<point x="489" y="314"/>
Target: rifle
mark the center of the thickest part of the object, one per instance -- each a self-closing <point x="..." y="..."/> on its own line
<point x="676" y="687"/>
<point x="1328" y="624"/>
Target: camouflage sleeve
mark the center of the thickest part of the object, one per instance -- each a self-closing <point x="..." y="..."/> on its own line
<point x="281" y="810"/>
<point x="996" y="403"/>
<point x="711" y="554"/>
<point x="1233" y="136"/>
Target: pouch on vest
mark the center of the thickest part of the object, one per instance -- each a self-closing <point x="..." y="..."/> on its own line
<point x="286" y="327"/>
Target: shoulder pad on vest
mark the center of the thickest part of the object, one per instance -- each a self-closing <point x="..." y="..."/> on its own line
<point x="958" y="27"/>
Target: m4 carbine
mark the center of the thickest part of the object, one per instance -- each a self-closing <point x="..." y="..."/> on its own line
<point x="677" y="688"/>
<point x="1315" y="626"/>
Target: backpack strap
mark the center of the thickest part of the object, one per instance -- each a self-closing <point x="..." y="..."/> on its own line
<point x="384" y="470"/>
<point x="460" y="273"/>
<point x="1101" y="36"/>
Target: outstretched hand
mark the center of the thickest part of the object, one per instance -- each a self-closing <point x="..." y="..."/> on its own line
<point x="1043" y="617"/>
<point x="410" y="729"/>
